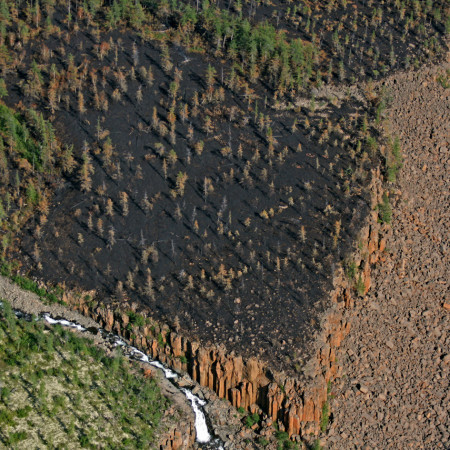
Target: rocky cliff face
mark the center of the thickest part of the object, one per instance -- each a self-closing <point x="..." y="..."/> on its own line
<point x="295" y="403"/>
<point x="178" y="437"/>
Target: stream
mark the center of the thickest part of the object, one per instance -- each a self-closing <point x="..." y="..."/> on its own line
<point x="204" y="436"/>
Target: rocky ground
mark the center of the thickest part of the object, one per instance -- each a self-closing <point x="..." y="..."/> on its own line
<point x="394" y="392"/>
<point x="30" y="303"/>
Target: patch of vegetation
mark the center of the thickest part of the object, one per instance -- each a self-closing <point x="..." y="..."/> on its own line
<point x="359" y="286"/>
<point x="58" y="388"/>
<point x="351" y="269"/>
<point x="28" y="148"/>
<point x="325" y="417"/>
<point x="252" y="419"/>
<point x="136" y="319"/>
<point x="282" y="435"/>
<point x="50" y="295"/>
<point x="444" y="79"/>
<point x="385" y="210"/>
<point x="393" y="159"/>
<point x="284" y="442"/>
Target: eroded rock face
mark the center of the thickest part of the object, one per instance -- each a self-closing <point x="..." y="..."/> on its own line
<point x="179" y="437"/>
<point x="295" y="403"/>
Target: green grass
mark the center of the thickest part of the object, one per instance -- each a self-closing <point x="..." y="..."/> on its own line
<point x="58" y="388"/>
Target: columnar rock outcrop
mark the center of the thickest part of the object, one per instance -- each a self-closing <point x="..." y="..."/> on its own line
<point x="296" y="404"/>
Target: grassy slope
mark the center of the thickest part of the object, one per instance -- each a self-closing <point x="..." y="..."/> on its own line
<point x="57" y="389"/>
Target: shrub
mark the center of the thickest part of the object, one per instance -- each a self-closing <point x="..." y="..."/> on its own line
<point x="16" y="437"/>
<point x="84" y="440"/>
<point x="372" y="144"/>
<point x="282" y="435"/>
<point x="393" y="160"/>
<point x="359" y="286"/>
<point x="351" y="269"/>
<point x="5" y="392"/>
<point x="384" y="210"/>
<point x="252" y="419"/>
<point x="23" y="412"/>
<point x="136" y="319"/>
<point x="325" y="417"/>
<point x="6" y="417"/>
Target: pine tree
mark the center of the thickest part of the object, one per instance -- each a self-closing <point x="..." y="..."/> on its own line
<point x="150" y="77"/>
<point x="184" y="112"/>
<point x="148" y="289"/>
<point x="171" y="116"/>
<point x="210" y="77"/>
<point x="195" y="105"/>
<point x="139" y="95"/>
<point x="146" y="204"/>
<point x="100" y="227"/>
<point x="181" y="182"/>
<point x="111" y="237"/>
<point x="303" y="233"/>
<point x="90" y="222"/>
<point x="86" y="170"/>
<point x="124" y="203"/>
<point x="199" y="147"/>
<point x="164" y="168"/>
<point x="3" y="89"/>
<point x="107" y="151"/>
<point x="208" y="127"/>
<point x="155" y="119"/>
<point x="81" y="107"/>
<point x="167" y="64"/>
<point x="68" y="161"/>
<point x="130" y="280"/>
<point x="135" y="54"/>
<point x="2" y="212"/>
<point x="109" y="207"/>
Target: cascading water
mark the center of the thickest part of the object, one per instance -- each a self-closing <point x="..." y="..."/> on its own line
<point x="201" y="428"/>
<point x="203" y="435"/>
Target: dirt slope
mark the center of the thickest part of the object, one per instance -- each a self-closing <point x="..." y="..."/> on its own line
<point x="395" y="389"/>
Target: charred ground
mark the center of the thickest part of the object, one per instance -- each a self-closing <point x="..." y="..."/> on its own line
<point x="221" y="198"/>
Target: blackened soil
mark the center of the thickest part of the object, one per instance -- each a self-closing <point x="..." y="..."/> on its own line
<point x="244" y="256"/>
